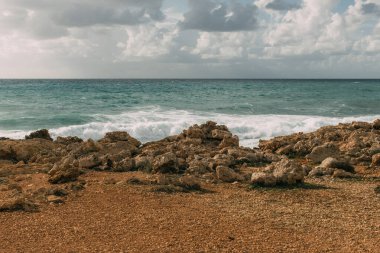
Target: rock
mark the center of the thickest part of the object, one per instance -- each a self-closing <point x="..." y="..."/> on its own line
<point x="321" y="171"/>
<point x="288" y="172"/>
<point x="89" y="162"/>
<point x="64" y="171"/>
<point x="334" y="163"/>
<point x="126" y="164"/>
<point x="376" y="124"/>
<point x="338" y="173"/>
<point x="263" y="179"/>
<point x="189" y="183"/>
<point x="40" y="134"/>
<point x="228" y="175"/>
<point x="55" y="199"/>
<point x="18" y="204"/>
<point x="375" y="160"/>
<point x="143" y="163"/>
<point x="120" y="136"/>
<point x="377" y="189"/>
<point x="68" y="140"/>
<point x="230" y="141"/>
<point x="284" y="172"/>
<point x="220" y="134"/>
<point x="319" y="153"/>
<point x="166" y="163"/>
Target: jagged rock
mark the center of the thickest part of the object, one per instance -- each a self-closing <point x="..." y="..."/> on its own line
<point x="226" y="174"/>
<point x="319" y="153"/>
<point x="334" y="163"/>
<point x="288" y="172"/>
<point x="376" y="124"/>
<point x="220" y="134"/>
<point x="68" y="140"/>
<point x="376" y="160"/>
<point x="40" y="134"/>
<point x="284" y="172"/>
<point x="120" y="136"/>
<point x="166" y="163"/>
<point x="229" y="141"/>
<point x="143" y="163"/>
<point x="64" y="171"/>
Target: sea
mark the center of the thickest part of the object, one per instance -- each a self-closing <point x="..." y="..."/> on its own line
<point x="153" y="109"/>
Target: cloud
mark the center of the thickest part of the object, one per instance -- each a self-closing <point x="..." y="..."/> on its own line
<point x="218" y="16"/>
<point x="371" y="8"/>
<point x="282" y="5"/>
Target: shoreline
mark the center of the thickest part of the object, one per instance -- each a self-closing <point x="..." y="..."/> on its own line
<point x="203" y="181"/>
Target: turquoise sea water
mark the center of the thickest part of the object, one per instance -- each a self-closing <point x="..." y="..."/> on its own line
<point x="153" y="109"/>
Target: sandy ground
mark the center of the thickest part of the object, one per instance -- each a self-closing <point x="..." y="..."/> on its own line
<point x="341" y="216"/>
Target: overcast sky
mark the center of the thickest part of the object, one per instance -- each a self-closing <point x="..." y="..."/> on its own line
<point x="190" y="39"/>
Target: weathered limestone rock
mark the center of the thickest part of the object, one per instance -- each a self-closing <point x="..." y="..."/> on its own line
<point x="338" y="173"/>
<point x="166" y="163"/>
<point x="319" y="153"/>
<point x="334" y="163"/>
<point x="376" y="124"/>
<point x="226" y="174"/>
<point x="64" y="171"/>
<point x="264" y="179"/>
<point x="120" y="136"/>
<point x="89" y="162"/>
<point x="68" y="140"/>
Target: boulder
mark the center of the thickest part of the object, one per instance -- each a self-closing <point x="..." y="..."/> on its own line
<point x="334" y="163"/>
<point x="40" y="134"/>
<point x="143" y="163"/>
<point x="166" y="163"/>
<point x="321" y="171"/>
<point x="124" y="165"/>
<point x="320" y="153"/>
<point x="288" y="172"/>
<point x="226" y="174"/>
<point x="263" y="179"/>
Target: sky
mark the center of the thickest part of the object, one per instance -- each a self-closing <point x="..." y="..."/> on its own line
<point x="190" y="39"/>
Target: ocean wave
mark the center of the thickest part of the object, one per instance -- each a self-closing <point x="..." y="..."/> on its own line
<point x="151" y="124"/>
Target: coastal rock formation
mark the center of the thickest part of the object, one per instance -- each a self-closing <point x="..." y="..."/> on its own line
<point x="40" y="134"/>
<point x="284" y="172"/>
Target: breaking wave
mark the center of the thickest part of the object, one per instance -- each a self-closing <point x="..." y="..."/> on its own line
<point x="149" y="124"/>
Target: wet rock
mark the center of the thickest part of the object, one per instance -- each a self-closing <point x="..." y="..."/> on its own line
<point x="166" y="163"/>
<point x="334" y="163"/>
<point x="40" y="134"/>
<point x="376" y="160"/>
<point x="228" y="175"/>
<point x="319" y="153"/>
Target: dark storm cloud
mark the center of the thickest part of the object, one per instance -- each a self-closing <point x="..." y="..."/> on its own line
<point x="114" y="12"/>
<point x="217" y="16"/>
<point x="371" y="8"/>
<point x="51" y="19"/>
<point x="282" y="5"/>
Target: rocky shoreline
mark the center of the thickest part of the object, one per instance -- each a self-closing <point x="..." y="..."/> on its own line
<point x="207" y="153"/>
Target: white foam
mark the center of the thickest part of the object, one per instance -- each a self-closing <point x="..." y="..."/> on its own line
<point x="148" y="124"/>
